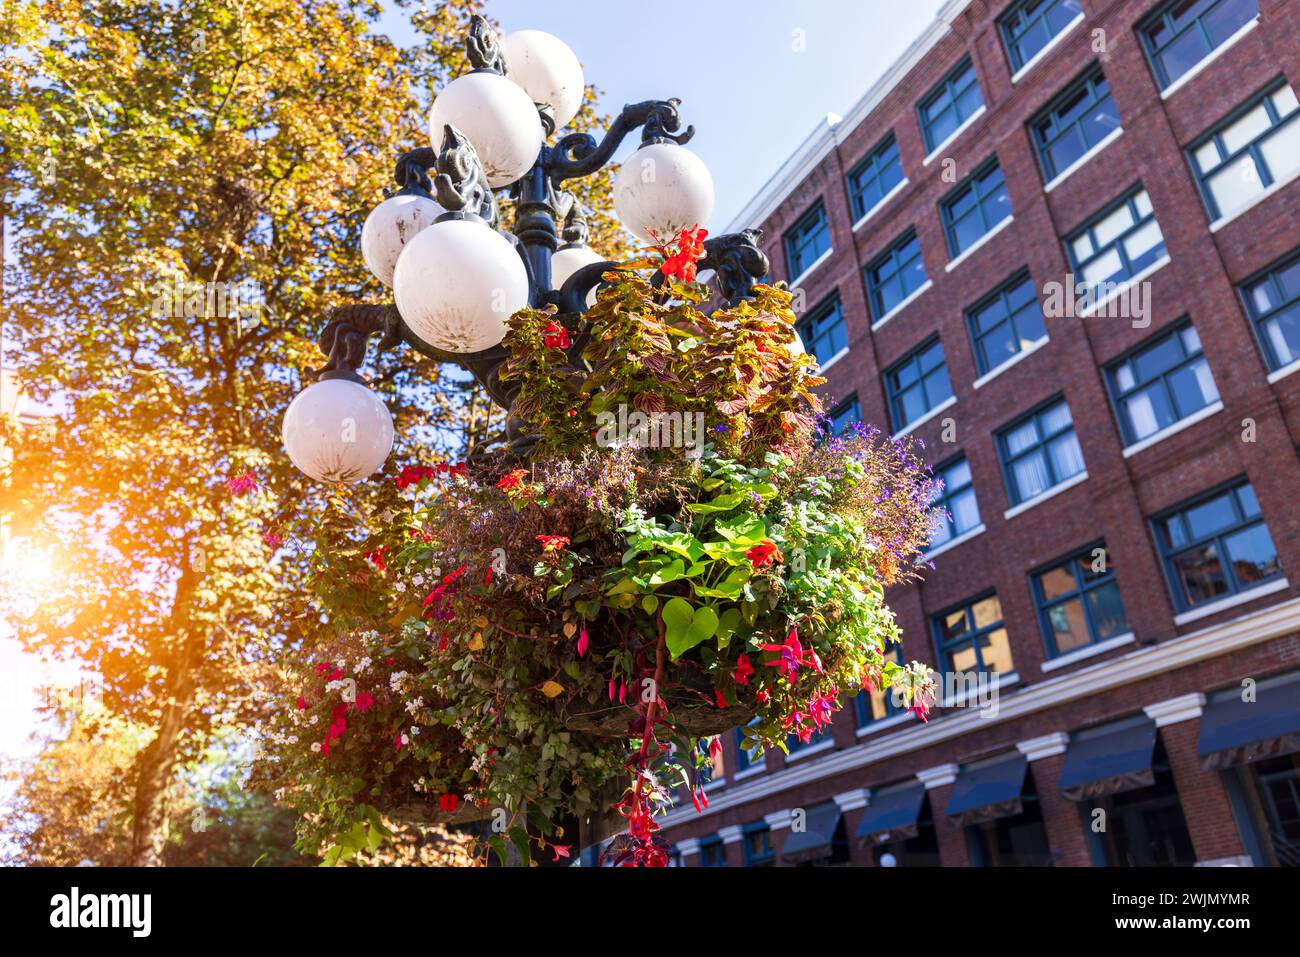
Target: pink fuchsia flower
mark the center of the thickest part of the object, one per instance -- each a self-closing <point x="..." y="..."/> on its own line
<point x="552" y="543"/>
<point x="241" y="485"/>
<point x="273" y="538"/>
<point x="302" y="703"/>
<point x="763" y="554"/>
<point x="823" y="707"/>
<point x="376" y="558"/>
<point x="365" y="701"/>
<point x="582" y="641"/>
<point x="700" y="800"/>
<point x="715" y="750"/>
<point x="743" y="670"/>
<point x="790" y="657"/>
<point x="400" y="741"/>
<point x="921" y="705"/>
<point x="720" y="697"/>
<point x="560" y="850"/>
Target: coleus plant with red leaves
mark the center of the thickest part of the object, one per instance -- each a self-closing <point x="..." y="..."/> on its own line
<point x="582" y="626"/>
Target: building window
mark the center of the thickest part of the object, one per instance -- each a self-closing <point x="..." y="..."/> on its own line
<point x="1074" y="123"/>
<point x="1145" y="827"/>
<point x="1016" y="841"/>
<point x="823" y="332"/>
<point x="972" y="638"/>
<point x="1031" y="24"/>
<point x="712" y="853"/>
<point x="956" y="511"/>
<point x="1255" y="149"/>
<point x="1039" y="452"/>
<point x="1182" y="33"/>
<point x="808" y="240"/>
<point x="1277" y="782"/>
<point x="1160" y="384"/>
<point x="1273" y="304"/>
<point x="1006" y="322"/>
<point x="917" y="384"/>
<point x="894" y="275"/>
<point x="1216" y="546"/>
<point x="793" y="743"/>
<point x="975" y="208"/>
<point x="845" y="414"/>
<point x="1078" y="601"/>
<point x="950" y="104"/>
<point x="746" y="757"/>
<point x="1116" y="245"/>
<point x="921" y="850"/>
<point x="875" y="177"/>
<point x="881" y="703"/>
<point x="758" y="845"/>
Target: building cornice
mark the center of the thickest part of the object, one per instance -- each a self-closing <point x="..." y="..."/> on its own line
<point x="1183" y="708"/>
<point x="1048" y="746"/>
<point x="937" y="777"/>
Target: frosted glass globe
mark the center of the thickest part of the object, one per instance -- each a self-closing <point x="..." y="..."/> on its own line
<point x="456" y="284"/>
<point x="336" y="430"/>
<point x="548" y="71"/>
<point x="497" y="117"/>
<point x="568" y="260"/>
<point x="389" y="227"/>
<point x="665" y="188"/>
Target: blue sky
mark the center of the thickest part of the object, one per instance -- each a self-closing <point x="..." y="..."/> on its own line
<point x="754" y="76"/>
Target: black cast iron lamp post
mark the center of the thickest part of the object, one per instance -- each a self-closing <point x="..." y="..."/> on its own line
<point x="457" y="275"/>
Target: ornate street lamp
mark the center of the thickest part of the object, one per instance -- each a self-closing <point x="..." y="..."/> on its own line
<point x="458" y="275"/>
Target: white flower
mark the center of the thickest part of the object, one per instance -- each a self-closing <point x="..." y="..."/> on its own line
<point x="315" y="745"/>
<point x="418" y="579"/>
<point x="415" y="729"/>
<point x="399" y="587"/>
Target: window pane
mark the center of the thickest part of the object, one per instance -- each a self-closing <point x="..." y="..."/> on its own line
<point x="1183" y="54"/>
<point x="986" y="611"/>
<point x="1210" y="517"/>
<point x="1251" y="555"/>
<point x="1146" y="239"/>
<point x="1067" y="458"/>
<point x="963" y="657"/>
<point x="1148" y="412"/>
<point x="1057" y="581"/>
<point x="954" y="624"/>
<point x="996" y="651"/>
<point x="1242" y="131"/>
<point x="1106" y="266"/>
<point x="1030" y="475"/>
<point x="1106" y="611"/>
<point x="1234" y="185"/>
<point x="1283" y="332"/>
<point x="1282" y="151"/>
<point x="1193" y="388"/>
<point x="1056" y="418"/>
<point x="1200" y="575"/>
<point x="1109" y="228"/>
<point x="1227" y="18"/>
<point x="965" y="511"/>
<point x="1069" y="627"/>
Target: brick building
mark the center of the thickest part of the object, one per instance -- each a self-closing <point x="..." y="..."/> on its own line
<point x="1059" y="242"/>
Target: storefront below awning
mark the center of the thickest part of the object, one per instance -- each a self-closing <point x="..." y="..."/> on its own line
<point x="988" y="790"/>
<point x="1245" y="723"/>
<point x="892" y="815"/>
<point x="1110" y="759"/>
<point x="817" y="839"/>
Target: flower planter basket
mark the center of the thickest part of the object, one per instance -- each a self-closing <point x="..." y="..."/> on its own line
<point x="690" y="713"/>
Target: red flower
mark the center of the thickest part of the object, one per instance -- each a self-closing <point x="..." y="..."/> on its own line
<point x="743" y="670"/>
<point x="715" y="750"/>
<point x="700" y="800"/>
<point x="555" y="336"/>
<point x="244" y="484"/>
<point x="512" y="480"/>
<point x="683" y="253"/>
<point x="302" y="703"/>
<point x="764" y="554"/>
<point x="376" y="558"/>
<point x="720" y="697"/>
<point x="560" y="850"/>
<point x="552" y="543"/>
<point x="448" y="802"/>
<point x="791" y="657"/>
<point x="365" y="701"/>
<point x="582" y="641"/>
<point x="399" y="742"/>
<point x="272" y="538"/>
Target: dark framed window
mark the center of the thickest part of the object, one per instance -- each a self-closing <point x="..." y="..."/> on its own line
<point x="1255" y="148"/>
<point x="874" y="177"/>
<point x="917" y="384"/>
<point x="972" y="637"/>
<point x="1145" y="827"/>
<point x="1039" y="451"/>
<point x="921" y="850"/>
<point x="1273" y="304"/>
<point x="807" y="240"/>
<point x="746" y="757"/>
<point x="1005" y="322"/>
<point x="1277" y="782"/>
<point x="823" y="332"/>
<point x="1078" y="601"/>
<point x="1018" y="840"/>
<point x="1182" y="33"/>
<point x="757" y="838"/>
<point x="894" y="275"/>
<point x="950" y="104"/>
<point x="1032" y="24"/>
<point x="845" y="414"/>
<point x="956" y="511"/>
<point x="1215" y="546"/>
<point x="1116" y="244"/>
<point x="712" y="853"/>
<point x="1073" y="123"/>
<point x="975" y="207"/>
<point x="794" y="745"/>
<point x="878" y="704"/>
<point x="1160" y="383"/>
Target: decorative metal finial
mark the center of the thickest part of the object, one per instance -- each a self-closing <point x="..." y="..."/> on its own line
<point x="462" y="185"/>
<point x="737" y="263"/>
<point x="483" y="47"/>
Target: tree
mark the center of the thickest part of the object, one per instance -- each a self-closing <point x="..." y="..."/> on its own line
<point x="186" y="187"/>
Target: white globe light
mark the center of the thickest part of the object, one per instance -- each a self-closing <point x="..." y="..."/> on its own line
<point x="663" y="188"/>
<point x="888" y="860"/>
<point x="337" y="430"/>
<point x="390" y="226"/>
<point x="548" y="71"/>
<point x="796" y="345"/>
<point x="497" y="117"/>
<point x="456" y="284"/>
<point x="568" y="260"/>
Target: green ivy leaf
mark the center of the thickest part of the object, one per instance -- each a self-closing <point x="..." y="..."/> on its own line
<point x="686" y="626"/>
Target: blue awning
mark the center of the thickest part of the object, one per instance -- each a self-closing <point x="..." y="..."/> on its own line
<point x="1110" y="759"/>
<point x="817" y="840"/>
<point x="892" y="814"/>
<point x="1236" y="731"/>
<point x="989" y="790"/>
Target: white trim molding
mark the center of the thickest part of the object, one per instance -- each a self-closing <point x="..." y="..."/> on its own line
<point x="902" y="305"/>
<point x="951" y="543"/>
<point x="731" y="833"/>
<point x="1183" y="708"/>
<point x="881" y="203"/>
<point x="1240" y="860"/>
<point x="1037" y="58"/>
<point x="1088" y="651"/>
<point x="796" y="282"/>
<point x="1123" y="286"/>
<point x="1083" y="160"/>
<point x="687" y="845"/>
<point x="1048" y="746"/>
<point x="1254" y="201"/>
<point x="1143" y="662"/>
<point x="948" y="140"/>
<point x="1282" y="373"/>
<point x="810" y="750"/>
<point x="750" y="771"/>
<point x="938" y="777"/>
<point x="1020" y="356"/>
<point x="1219" y="51"/>
<point x="884" y="724"/>
<point x="978" y="244"/>
<point x="834" y="359"/>
<point x="1278" y="584"/>
<point x="1044" y="495"/>
<point x="1174" y="429"/>
<point x="917" y="423"/>
<point x="778" y="820"/>
<point x="852" y="800"/>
